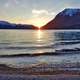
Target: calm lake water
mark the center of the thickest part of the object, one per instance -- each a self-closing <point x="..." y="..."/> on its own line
<point x="38" y="41"/>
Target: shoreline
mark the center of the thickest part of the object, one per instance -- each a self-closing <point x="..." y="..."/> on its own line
<point x="40" y="77"/>
<point x="41" y="69"/>
<point x="7" y="73"/>
<point x="57" y="52"/>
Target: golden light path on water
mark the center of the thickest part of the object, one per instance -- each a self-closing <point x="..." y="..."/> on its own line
<point x="39" y="35"/>
<point x="43" y="39"/>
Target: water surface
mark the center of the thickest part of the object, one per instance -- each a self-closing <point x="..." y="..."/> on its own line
<point x="38" y="41"/>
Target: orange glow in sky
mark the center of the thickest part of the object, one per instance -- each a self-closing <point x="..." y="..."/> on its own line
<point x="38" y="22"/>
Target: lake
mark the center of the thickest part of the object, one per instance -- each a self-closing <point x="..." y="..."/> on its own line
<point x="38" y="41"/>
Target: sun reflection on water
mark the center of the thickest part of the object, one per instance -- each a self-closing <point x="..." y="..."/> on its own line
<point x="39" y="35"/>
<point x="42" y="40"/>
<point x="42" y="37"/>
<point x="39" y="40"/>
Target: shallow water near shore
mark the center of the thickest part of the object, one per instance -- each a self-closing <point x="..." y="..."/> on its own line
<point x="38" y="41"/>
<point x="39" y="77"/>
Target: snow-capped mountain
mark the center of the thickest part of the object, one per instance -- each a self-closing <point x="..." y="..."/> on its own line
<point x="67" y="19"/>
<point x="70" y="12"/>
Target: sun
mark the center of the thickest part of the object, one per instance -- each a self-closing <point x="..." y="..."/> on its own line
<point x="38" y="22"/>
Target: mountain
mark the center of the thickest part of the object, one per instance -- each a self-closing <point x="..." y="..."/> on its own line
<point x="67" y="19"/>
<point x="7" y="25"/>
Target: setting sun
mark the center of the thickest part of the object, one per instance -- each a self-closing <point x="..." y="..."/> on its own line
<point x="39" y="22"/>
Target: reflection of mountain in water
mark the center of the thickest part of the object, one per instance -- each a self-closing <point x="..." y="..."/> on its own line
<point x="70" y="35"/>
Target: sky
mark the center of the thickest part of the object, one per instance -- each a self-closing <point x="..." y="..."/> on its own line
<point x="35" y="12"/>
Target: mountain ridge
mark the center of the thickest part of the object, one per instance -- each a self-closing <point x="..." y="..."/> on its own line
<point x="8" y="25"/>
<point x="67" y="19"/>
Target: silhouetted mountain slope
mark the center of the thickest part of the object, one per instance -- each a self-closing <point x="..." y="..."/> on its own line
<point x="7" y="25"/>
<point x="67" y="19"/>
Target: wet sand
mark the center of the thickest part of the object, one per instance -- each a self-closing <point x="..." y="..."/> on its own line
<point x="9" y="73"/>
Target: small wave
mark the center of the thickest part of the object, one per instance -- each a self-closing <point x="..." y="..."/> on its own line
<point x="20" y="48"/>
<point x="70" y="42"/>
<point x="56" y="52"/>
<point x="66" y="42"/>
<point x="5" y="43"/>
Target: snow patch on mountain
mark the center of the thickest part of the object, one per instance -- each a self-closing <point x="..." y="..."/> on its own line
<point x="70" y="12"/>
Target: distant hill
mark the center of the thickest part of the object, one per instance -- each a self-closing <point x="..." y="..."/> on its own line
<point x="67" y="19"/>
<point x="7" y="25"/>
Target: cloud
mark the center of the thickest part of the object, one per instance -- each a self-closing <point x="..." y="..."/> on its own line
<point x="34" y="11"/>
<point x="10" y="3"/>
<point x="41" y="12"/>
<point x="16" y="1"/>
<point x="6" y="5"/>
